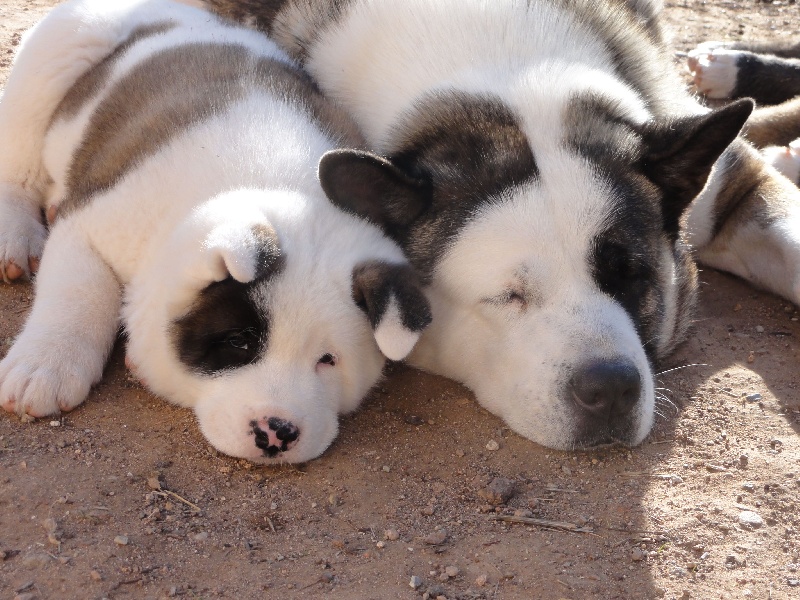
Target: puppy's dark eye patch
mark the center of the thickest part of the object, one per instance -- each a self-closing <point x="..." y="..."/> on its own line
<point x="223" y="330"/>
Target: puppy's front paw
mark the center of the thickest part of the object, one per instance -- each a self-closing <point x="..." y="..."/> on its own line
<point x="785" y="159"/>
<point x="22" y="234"/>
<point x="40" y="380"/>
<point x="714" y="69"/>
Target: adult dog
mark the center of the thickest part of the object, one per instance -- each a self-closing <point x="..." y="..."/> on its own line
<point x="177" y="155"/>
<point x="767" y="72"/>
<point x="544" y="168"/>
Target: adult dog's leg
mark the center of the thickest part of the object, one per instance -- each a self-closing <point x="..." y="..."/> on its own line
<point x="747" y="221"/>
<point x="724" y="71"/>
<point x="63" y="348"/>
<point x="774" y="125"/>
<point x="52" y="56"/>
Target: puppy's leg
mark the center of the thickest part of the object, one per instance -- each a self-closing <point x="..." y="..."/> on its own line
<point x="724" y="72"/>
<point x="747" y="221"/>
<point x="66" y="340"/>
<point x="774" y="125"/>
<point x="52" y="56"/>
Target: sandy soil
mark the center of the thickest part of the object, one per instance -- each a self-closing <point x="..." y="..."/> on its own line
<point x="123" y="498"/>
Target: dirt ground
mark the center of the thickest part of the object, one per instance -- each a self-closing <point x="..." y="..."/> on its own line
<point x="123" y="498"/>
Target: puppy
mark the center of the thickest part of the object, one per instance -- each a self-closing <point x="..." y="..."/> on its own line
<point x="544" y="168"/>
<point x="178" y="157"/>
<point x="768" y="72"/>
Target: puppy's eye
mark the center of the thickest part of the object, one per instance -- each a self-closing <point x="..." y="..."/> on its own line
<point x="240" y="339"/>
<point x="327" y="359"/>
<point x="514" y="297"/>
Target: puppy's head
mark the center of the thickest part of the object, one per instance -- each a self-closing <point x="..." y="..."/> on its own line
<point x="552" y="246"/>
<point x="269" y="325"/>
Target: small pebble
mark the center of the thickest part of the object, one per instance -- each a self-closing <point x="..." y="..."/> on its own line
<point x="753" y="397"/>
<point x="491" y="446"/>
<point x="759" y="329"/>
<point x="436" y="538"/>
<point x="744" y="460"/>
<point x="748" y="487"/>
<point x="748" y="518"/>
<point x="121" y="540"/>
<point x="451" y="571"/>
<point x="499" y="491"/>
<point x="55" y="423"/>
<point x="95" y="575"/>
<point x="201" y="537"/>
<point x="391" y="535"/>
<point x="481" y="580"/>
<point x="415" y="582"/>
<point x="637" y="555"/>
<point x="793" y="582"/>
<point x="380" y="544"/>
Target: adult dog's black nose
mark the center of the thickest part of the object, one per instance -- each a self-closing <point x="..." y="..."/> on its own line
<point x="606" y="389"/>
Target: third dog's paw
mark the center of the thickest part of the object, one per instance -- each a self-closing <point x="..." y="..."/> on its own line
<point x="22" y="234"/>
<point x="38" y="380"/>
<point x="785" y="159"/>
<point x="714" y="69"/>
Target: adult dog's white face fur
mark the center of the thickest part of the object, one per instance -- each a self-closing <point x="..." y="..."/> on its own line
<point x="552" y="250"/>
<point x="266" y="332"/>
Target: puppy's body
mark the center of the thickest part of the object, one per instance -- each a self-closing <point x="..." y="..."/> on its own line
<point x="546" y="171"/>
<point x="179" y="154"/>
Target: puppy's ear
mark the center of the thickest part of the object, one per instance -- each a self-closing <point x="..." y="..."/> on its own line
<point x="392" y="297"/>
<point x="680" y="154"/>
<point x="373" y="187"/>
<point x="245" y="252"/>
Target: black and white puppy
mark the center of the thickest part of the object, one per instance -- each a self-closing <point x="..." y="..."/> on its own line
<point x="544" y="168"/>
<point x="768" y="72"/>
<point x="178" y="156"/>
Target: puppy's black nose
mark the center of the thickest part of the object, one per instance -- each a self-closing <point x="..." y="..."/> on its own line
<point x="274" y="435"/>
<point x="606" y="389"/>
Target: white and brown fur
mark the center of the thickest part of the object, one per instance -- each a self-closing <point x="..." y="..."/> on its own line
<point x="549" y="175"/>
<point x="177" y="155"/>
<point x="767" y="72"/>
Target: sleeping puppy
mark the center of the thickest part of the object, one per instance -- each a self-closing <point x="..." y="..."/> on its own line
<point x="177" y="156"/>
<point x="768" y="72"/>
<point x="544" y="168"/>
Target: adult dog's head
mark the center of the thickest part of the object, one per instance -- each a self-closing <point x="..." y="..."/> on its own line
<point x="270" y="315"/>
<point x="550" y="240"/>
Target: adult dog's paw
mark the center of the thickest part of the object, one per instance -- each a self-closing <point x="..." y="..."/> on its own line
<point x="714" y="69"/>
<point x="785" y="159"/>
<point x="22" y="234"/>
<point x="38" y="380"/>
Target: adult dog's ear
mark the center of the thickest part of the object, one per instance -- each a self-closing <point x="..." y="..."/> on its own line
<point x="680" y="153"/>
<point x="373" y="187"/>
<point x="392" y="297"/>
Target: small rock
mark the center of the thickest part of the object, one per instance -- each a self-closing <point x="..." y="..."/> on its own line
<point x="391" y="535"/>
<point x="499" y="491"/>
<point x="753" y="397"/>
<point x="121" y="540"/>
<point x="759" y="329"/>
<point x="675" y="479"/>
<point x="381" y="544"/>
<point x="153" y="483"/>
<point x="734" y="561"/>
<point x="201" y="537"/>
<point x="451" y="571"/>
<point x="436" y="538"/>
<point x="793" y="582"/>
<point x="415" y="582"/>
<point x="748" y="487"/>
<point x="55" y="423"/>
<point x="428" y="511"/>
<point x="95" y="575"/>
<point x="37" y="560"/>
<point x="748" y="518"/>
<point x="637" y="555"/>
<point x="743" y="460"/>
<point x="491" y="446"/>
<point x="481" y="580"/>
